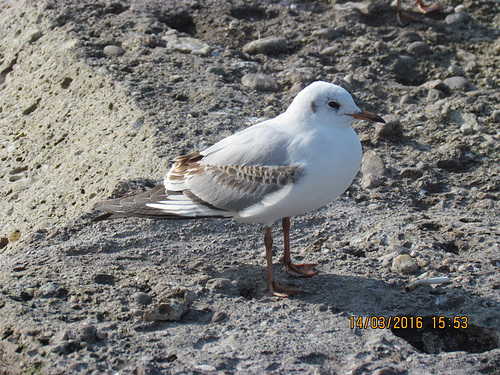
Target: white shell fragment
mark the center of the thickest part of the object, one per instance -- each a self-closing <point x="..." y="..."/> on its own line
<point x="430" y="281"/>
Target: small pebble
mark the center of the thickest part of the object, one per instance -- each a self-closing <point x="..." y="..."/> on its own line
<point x="22" y="184"/>
<point x="171" y="306"/>
<point x="4" y="241"/>
<point x="405" y="62"/>
<point x="410" y="37"/>
<point x="370" y="181"/>
<point x="217" y="70"/>
<point x="390" y="370"/>
<point x="268" y="46"/>
<point x="322" y="307"/>
<point x="221" y="285"/>
<point x="113" y="51"/>
<point x="465" y="55"/>
<point x="455" y="70"/>
<point x="435" y="84"/>
<point x="411" y="173"/>
<point x="392" y="129"/>
<point x="404" y="264"/>
<point x="15" y="236"/>
<point x="419" y="48"/>
<point x="259" y="82"/>
<point x="187" y="45"/>
<point x="463" y="267"/>
<point x="175" y="78"/>
<point x="34" y="35"/>
<point x="105" y="279"/>
<point x="407" y="99"/>
<point x="331" y="50"/>
<point x="205" y="368"/>
<point x="142" y="298"/>
<point x="486" y="204"/>
<point x="297" y="87"/>
<point x="219" y="316"/>
<point x="495" y="115"/>
<point x="471" y="66"/>
<point x="467" y="128"/>
<point x="458" y="83"/>
<point x="448" y="261"/>
<point x="422" y="166"/>
<point x="434" y="95"/>
<point x="49" y="290"/>
<point x="456" y="18"/>
<point x="74" y="299"/>
<point x="373" y="164"/>
<point x="32" y="107"/>
<point x="326" y="33"/>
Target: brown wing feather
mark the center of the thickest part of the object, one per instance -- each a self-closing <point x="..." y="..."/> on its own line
<point x="218" y="188"/>
<point x="229" y="187"/>
<point x="137" y="205"/>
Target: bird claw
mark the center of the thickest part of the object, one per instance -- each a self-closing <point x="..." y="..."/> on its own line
<point x="283" y="291"/>
<point x="411" y="16"/>
<point x="426" y="9"/>
<point x="300" y="270"/>
<point x="402" y="15"/>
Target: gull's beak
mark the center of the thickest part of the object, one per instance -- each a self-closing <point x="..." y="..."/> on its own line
<point x="368" y="116"/>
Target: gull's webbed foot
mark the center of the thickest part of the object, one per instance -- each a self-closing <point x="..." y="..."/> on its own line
<point x="300" y="270"/>
<point x="283" y="291"/>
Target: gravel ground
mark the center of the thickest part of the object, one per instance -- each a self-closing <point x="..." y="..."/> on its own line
<point x="97" y="98"/>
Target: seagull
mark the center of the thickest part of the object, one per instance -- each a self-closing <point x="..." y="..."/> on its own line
<point x="294" y="163"/>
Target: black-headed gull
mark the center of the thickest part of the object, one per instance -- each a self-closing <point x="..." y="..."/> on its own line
<point x="296" y="162"/>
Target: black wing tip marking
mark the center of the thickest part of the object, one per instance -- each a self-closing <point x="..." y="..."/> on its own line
<point x="102" y="217"/>
<point x="136" y="205"/>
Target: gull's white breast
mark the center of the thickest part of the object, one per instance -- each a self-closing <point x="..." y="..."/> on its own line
<point x="331" y="158"/>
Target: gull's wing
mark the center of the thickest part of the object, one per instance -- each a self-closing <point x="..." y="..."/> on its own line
<point x="265" y="143"/>
<point x="232" y="175"/>
<point x="238" y="171"/>
<point x="158" y="203"/>
<point x="228" y="187"/>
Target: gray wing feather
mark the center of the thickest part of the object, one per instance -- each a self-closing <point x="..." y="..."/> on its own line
<point x="261" y="144"/>
<point x="234" y="188"/>
<point x="239" y="170"/>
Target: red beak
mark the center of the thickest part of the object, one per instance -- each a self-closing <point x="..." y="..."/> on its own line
<point x="368" y="116"/>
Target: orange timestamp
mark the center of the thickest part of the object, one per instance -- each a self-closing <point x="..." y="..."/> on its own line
<point x="408" y="322"/>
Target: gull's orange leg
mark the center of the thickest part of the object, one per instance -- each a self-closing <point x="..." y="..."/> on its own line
<point x="296" y="270"/>
<point x="275" y="289"/>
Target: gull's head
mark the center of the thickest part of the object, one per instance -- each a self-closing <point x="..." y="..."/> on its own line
<point x="326" y="103"/>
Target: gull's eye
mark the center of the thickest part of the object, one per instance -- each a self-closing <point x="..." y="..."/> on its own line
<point x="334" y="105"/>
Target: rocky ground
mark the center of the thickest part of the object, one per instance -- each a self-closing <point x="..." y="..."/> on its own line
<point x="97" y="98"/>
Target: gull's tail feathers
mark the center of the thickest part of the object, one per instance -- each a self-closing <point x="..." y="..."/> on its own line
<point x="158" y="204"/>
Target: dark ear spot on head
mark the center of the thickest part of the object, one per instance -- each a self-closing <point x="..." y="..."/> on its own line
<point x="313" y="107"/>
